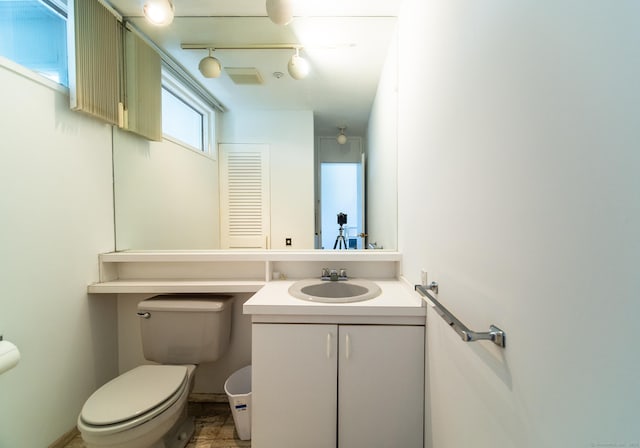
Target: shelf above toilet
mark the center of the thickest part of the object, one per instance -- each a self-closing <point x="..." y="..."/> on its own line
<point x="220" y="271"/>
<point x="175" y="286"/>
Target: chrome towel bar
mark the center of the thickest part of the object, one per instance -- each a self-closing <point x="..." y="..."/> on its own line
<point x="495" y="335"/>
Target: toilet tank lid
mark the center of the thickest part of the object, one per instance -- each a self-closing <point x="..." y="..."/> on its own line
<point x="211" y="303"/>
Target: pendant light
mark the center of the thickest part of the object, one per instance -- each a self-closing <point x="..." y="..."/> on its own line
<point x="341" y="138"/>
<point x="298" y="66"/>
<point x="159" y="12"/>
<point x="280" y="11"/>
<point x="209" y="66"/>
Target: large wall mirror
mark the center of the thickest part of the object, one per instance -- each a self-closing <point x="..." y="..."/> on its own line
<point x="172" y="195"/>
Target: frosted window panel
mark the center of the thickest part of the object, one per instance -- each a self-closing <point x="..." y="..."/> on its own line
<point x="181" y="122"/>
<point x="35" y="35"/>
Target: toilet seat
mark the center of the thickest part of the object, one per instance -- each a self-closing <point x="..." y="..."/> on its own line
<point x="133" y="398"/>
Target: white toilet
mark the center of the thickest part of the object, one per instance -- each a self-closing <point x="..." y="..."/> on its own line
<point x="147" y="407"/>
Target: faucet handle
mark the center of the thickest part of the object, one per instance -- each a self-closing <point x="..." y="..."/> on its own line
<point x="343" y="273"/>
<point x="325" y="272"/>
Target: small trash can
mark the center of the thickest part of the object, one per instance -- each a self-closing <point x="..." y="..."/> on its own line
<point x="238" y="390"/>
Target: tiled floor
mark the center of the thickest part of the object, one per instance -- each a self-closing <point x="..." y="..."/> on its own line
<point x="214" y="428"/>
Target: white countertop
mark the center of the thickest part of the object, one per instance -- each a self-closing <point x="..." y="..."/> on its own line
<point x="397" y="303"/>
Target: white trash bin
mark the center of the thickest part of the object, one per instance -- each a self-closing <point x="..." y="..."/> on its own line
<point x="238" y="389"/>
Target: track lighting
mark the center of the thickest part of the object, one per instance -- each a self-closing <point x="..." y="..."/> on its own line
<point x="209" y="66"/>
<point x="298" y="66"/>
<point x="159" y="12"/>
<point x="280" y="11"/>
<point x="341" y="138"/>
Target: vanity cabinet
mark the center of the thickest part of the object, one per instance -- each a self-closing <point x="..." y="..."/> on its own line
<point x="344" y="386"/>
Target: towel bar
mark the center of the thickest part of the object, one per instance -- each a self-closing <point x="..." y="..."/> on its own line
<point x="495" y="334"/>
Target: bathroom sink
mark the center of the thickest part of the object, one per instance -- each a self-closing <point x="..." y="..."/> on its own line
<point x="343" y="291"/>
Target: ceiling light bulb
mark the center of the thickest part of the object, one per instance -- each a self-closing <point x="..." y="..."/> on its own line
<point x="280" y="11"/>
<point x="298" y="67"/>
<point x="159" y="12"/>
<point x="210" y="67"/>
<point x="341" y="138"/>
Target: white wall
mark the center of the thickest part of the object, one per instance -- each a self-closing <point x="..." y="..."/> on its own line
<point x="55" y="217"/>
<point x="329" y="150"/>
<point x="166" y="195"/>
<point x="382" y="156"/>
<point x="289" y="135"/>
<point x="518" y="192"/>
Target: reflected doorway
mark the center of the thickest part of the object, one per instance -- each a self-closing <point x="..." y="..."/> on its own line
<point x="341" y="191"/>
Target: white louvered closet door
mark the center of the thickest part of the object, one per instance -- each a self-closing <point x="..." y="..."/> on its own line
<point x="244" y="196"/>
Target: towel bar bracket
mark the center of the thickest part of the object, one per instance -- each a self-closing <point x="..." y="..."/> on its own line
<point x="494" y="335"/>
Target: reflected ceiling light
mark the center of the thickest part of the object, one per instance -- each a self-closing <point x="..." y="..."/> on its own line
<point x="159" y="12"/>
<point x="209" y="66"/>
<point x="341" y="138"/>
<point x="298" y="66"/>
<point x="280" y="11"/>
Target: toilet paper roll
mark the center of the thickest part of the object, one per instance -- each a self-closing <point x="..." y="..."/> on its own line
<point x="9" y="356"/>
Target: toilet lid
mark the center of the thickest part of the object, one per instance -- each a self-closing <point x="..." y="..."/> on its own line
<point x="133" y="393"/>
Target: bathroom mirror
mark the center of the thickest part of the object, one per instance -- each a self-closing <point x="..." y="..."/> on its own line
<point x="168" y="197"/>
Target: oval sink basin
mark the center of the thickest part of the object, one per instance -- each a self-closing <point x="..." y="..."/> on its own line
<point x="344" y="291"/>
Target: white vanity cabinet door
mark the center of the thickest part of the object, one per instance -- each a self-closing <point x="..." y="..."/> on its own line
<point x="381" y="386"/>
<point x="294" y="388"/>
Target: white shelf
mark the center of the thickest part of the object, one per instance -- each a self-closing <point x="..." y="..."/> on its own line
<point x="150" y="256"/>
<point x="175" y="286"/>
<point x="226" y="271"/>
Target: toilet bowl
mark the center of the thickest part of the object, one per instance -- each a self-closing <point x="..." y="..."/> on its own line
<point x="139" y="409"/>
<point x="146" y="407"/>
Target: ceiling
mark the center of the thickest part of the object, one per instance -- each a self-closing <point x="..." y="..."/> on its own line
<point x="345" y="42"/>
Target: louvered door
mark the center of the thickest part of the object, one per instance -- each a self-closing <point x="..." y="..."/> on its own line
<point x="244" y="196"/>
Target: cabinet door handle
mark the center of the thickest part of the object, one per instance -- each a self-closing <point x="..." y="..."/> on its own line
<point x="347" y="348"/>
<point x="328" y="345"/>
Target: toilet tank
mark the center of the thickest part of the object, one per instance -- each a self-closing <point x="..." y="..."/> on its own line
<point x="185" y="329"/>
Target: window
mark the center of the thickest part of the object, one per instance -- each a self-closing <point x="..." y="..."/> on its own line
<point x="186" y="118"/>
<point x="34" y="34"/>
<point x="181" y="121"/>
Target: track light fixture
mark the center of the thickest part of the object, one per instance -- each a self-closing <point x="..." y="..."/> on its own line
<point x="341" y="138"/>
<point x="209" y="66"/>
<point x="159" y="12"/>
<point x="280" y="11"/>
<point x="298" y="66"/>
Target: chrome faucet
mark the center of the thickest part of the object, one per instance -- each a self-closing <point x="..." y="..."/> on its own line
<point x="334" y="275"/>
